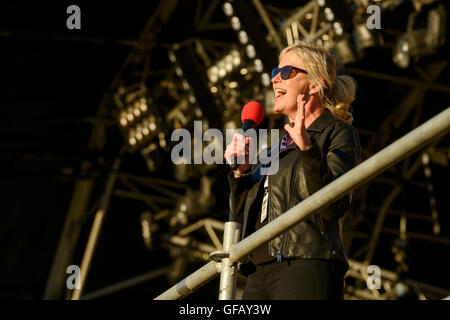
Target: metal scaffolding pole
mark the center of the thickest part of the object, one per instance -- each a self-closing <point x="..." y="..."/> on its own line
<point x="386" y="158"/>
<point x="126" y="284"/>
<point x="69" y="238"/>
<point x="95" y="231"/>
<point x="228" y="275"/>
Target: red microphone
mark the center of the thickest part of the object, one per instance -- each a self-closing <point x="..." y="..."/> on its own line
<point x="251" y="116"/>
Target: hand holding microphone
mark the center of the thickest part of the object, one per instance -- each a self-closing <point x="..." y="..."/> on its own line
<point x="251" y="116"/>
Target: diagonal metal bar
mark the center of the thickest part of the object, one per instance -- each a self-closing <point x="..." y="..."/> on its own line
<point x="95" y="231"/>
<point x="125" y="284"/>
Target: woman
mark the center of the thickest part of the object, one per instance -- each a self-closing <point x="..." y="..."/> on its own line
<point x="318" y="145"/>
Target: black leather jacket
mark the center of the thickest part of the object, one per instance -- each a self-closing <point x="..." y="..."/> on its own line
<point x="335" y="150"/>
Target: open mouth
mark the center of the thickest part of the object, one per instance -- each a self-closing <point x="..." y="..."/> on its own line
<point x="279" y="93"/>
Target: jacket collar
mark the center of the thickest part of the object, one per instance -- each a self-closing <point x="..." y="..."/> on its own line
<point x="323" y="121"/>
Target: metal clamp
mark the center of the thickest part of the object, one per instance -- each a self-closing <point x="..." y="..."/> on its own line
<point x="218" y="255"/>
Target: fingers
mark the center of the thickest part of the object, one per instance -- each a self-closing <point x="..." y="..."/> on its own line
<point x="241" y="147"/>
<point x="300" y="116"/>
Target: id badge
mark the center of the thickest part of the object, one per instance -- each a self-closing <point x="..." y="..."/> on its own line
<point x="265" y="200"/>
<point x="264" y="206"/>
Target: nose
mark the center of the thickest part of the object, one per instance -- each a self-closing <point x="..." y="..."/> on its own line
<point x="276" y="79"/>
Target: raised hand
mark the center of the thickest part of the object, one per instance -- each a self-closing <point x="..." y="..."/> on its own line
<point x="297" y="129"/>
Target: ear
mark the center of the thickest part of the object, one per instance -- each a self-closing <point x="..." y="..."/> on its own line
<point x="315" y="88"/>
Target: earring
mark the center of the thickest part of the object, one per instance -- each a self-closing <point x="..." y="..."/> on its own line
<point x="310" y="93"/>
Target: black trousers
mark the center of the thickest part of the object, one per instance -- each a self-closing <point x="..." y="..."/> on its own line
<point x="297" y="279"/>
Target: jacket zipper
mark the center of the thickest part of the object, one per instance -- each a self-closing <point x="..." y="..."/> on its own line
<point x="280" y="252"/>
<point x="322" y="227"/>
<point x="291" y="197"/>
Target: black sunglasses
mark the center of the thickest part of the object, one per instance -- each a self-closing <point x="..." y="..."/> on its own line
<point x="287" y="72"/>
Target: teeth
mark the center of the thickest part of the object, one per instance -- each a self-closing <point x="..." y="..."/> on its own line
<point x="280" y="91"/>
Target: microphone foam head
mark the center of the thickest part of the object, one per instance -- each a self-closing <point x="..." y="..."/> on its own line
<point x="253" y="111"/>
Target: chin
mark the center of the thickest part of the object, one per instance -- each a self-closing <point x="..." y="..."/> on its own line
<point x="278" y="107"/>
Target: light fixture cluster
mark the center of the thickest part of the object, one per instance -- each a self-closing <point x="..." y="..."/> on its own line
<point x="420" y="42"/>
<point x="225" y="66"/>
<point x="136" y="120"/>
<point x="434" y="213"/>
<point x="244" y="40"/>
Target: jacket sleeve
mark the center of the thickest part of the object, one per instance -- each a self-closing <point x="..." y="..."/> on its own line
<point x="239" y="188"/>
<point x="319" y="170"/>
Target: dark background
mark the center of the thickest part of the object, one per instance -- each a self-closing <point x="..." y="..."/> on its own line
<point x="52" y="82"/>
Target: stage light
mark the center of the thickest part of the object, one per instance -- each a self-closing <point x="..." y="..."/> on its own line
<point x="152" y="126"/>
<point x="338" y="28"/>
<point x="228" y="9"/>
<point x="409" y="45"/>
<point x="243" y="37"/>
<point x="133" y="116"/>
<point x="401" y="54"/>
<point x="162" y="140"/>
<point x="222" y="72"/>
<point x="185" y="85"/>
<point x="265" y="79"/>
<point x="258" y="65"/>
<point x="172" y="57"/>
<point x="130" y="116"/>
<point x="420" y="42"/>
<point x="229" y="66"/>
<point x="178" y="71"/>
<point x="236" y="57"/>
<point x="249" y="35"/>
<point x="436" y="27"/>
<point x="329" y="15"/>
<point x="250" y="49"/>
<point x="213" y="74"/>
<point x="123" y="118"/>
<point x="235" y="23"/>
<point x="233" y="84"/>
<point x="320" y="2"/>
<point x="344" y="52"/>
<point x="148" y="228"/>
<point x="400" y="290"/>
<point x="198" y="112"/>
<point x="224" y="66"/>
<point x="363" y="37"/>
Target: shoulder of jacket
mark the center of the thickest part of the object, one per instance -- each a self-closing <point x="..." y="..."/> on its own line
<point x="339" y="126"/>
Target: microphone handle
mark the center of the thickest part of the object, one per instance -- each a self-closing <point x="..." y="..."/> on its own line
<point x="248" y="124"/>
<point x="234" y="165"/>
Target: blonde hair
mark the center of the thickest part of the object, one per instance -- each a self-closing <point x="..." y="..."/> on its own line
<point x="336" y="93"/>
